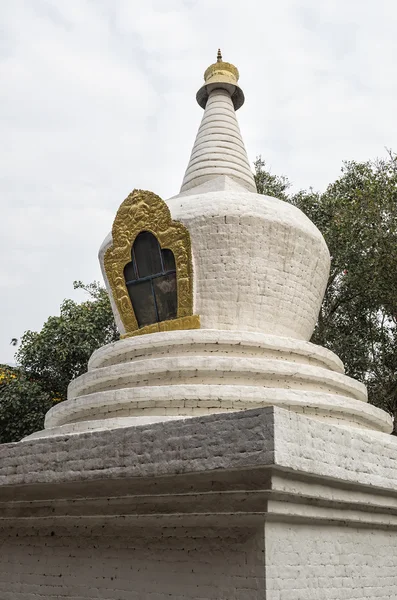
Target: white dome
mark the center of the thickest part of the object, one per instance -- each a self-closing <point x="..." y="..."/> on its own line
<point x="259" y="263"/>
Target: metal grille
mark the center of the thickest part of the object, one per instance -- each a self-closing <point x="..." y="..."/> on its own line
<point x="150" y="278"/>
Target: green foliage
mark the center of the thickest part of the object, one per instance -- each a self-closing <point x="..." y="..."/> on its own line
<point x="268" y="184"/>
<point x="49" y="359"/>
<point x="23" y="405"/>
<point x="357" y="214"/>
<point x="61" y="350"/>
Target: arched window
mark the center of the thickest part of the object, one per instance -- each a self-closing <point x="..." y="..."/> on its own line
<point x="150" y="278"/>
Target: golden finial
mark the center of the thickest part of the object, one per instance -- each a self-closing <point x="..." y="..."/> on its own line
<point x="221" y="75"/>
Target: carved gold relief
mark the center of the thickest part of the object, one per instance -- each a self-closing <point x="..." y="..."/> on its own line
<point x="144" y="211"/>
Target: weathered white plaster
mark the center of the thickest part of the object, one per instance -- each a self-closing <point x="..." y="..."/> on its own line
<point x="140" y="406"/>
<point x="259" y="263"/>
<point x="322" y="562"/>
<point x="123" y="419"/>
<point x="254" y="504"/>
<point x="183" y="374"/>
<point x="212" y="341"/>
<point x="120" y="562"/>
<point x="216" y="370"/>
<point x="219" y="148"/>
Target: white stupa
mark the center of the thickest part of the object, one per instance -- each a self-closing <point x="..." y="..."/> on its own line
<point x="250" y="271"/>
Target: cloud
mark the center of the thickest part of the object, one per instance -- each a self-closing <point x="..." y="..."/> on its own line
<point x="98" y="97"/>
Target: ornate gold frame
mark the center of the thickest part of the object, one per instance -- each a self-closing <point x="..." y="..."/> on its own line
<point x="144" y="211"/>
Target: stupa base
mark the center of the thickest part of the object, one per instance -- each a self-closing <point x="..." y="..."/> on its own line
<point x="249" y="505"/>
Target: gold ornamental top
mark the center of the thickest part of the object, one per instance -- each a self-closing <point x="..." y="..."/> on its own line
<point x="221" y="75"/>
<point x="222" y="70"/>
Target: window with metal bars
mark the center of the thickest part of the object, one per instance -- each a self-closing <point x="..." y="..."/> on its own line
<point x="150" y="278"/>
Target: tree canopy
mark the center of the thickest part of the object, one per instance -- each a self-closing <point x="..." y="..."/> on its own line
<point x="48" y="360"/>
<point x="23" y="404"/>
<point x="357" y="215"/>
<point x="61" y="350"/>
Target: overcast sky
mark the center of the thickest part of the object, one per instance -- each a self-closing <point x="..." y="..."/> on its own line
<point x="97" y="97"/>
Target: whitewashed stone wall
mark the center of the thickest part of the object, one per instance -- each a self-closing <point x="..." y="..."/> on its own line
<point x="313" y="562"/>
<point x="259" y="263"/>
<point x="263" y="504"/>
<point x="182" y="374"/>
<point x="115" y="562"/>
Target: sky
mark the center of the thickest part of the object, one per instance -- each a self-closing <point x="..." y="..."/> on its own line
<point x="97" y="97"/>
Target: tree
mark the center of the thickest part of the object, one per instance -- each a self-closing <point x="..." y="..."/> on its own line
<point x="357" y="214"/>
<point x="271" y="185"/>
<point x="61" y="350"/>
<point x="23" y="404"/>
<point x="48" y="360"/>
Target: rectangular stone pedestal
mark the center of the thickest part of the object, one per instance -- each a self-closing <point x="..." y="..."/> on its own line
<point x="261" y="504"/>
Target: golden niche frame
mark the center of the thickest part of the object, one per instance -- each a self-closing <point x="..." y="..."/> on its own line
<point x="145" y="211"/>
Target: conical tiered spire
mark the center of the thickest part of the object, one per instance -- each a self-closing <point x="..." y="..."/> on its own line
<point x="219" y="148"/>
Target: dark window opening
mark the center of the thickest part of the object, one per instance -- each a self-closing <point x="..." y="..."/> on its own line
<point x="150" y="278"/>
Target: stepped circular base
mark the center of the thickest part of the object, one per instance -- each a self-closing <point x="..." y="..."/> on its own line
<point x="183" y="374"/>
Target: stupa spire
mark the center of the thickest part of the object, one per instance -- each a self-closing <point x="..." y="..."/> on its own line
<point x="219" y="148"/>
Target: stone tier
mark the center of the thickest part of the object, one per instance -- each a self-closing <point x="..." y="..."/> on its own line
<point x="181" y="374"/>
<point x="219" y="148"/>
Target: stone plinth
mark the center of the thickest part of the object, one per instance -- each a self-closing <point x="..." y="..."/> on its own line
<point x="173" y="375"/>
<point x="250" y="505"/>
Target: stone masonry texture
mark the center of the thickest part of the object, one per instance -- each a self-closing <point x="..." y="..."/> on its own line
<point x="115" y="562"/>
